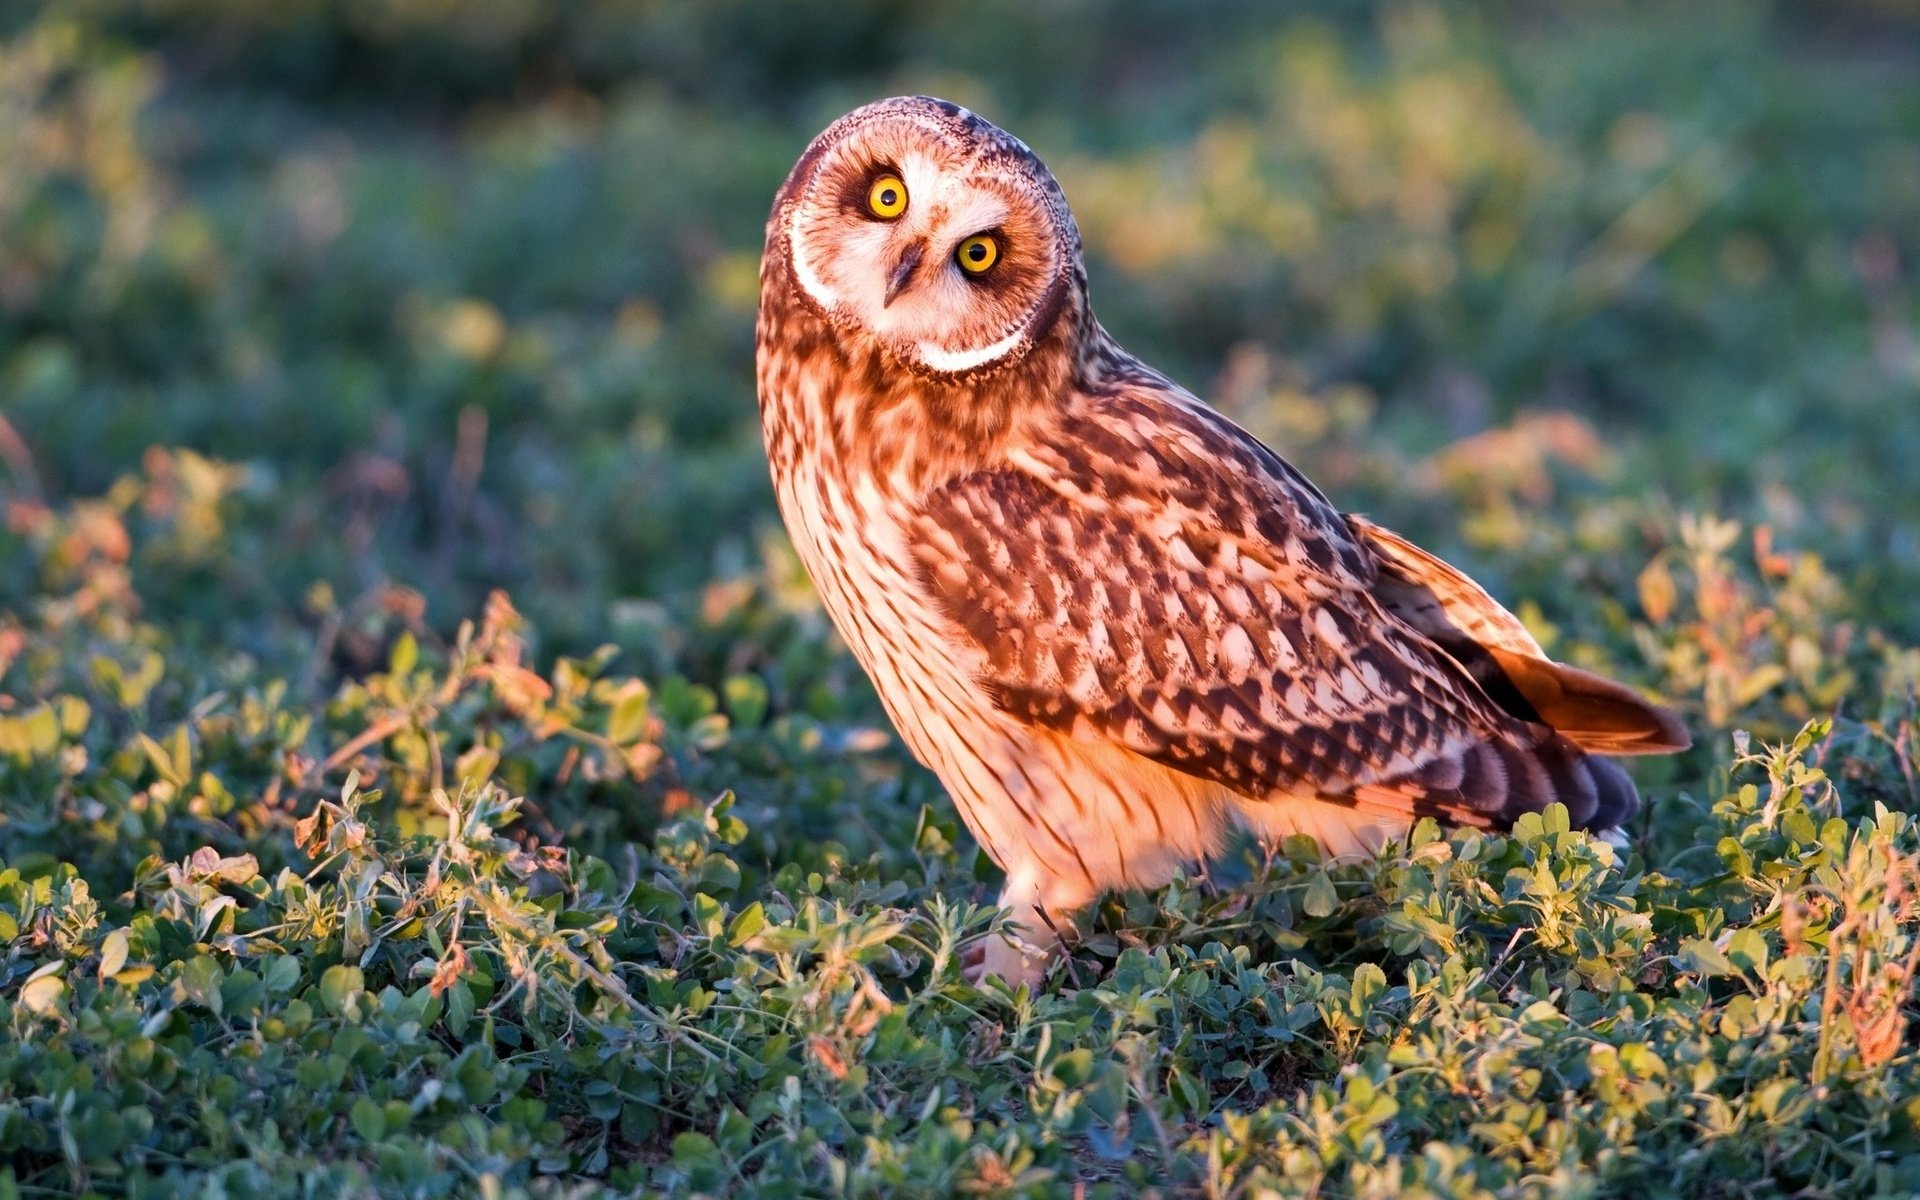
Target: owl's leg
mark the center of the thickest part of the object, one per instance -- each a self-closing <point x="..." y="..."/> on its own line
<point x="1013" y="964"/>
<point x="1017" y="955"/>
<point x="1039" y="910"/>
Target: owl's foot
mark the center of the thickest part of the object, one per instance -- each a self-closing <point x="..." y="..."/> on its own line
<point x="1032" y="938"/>
<point x="1000" y="956"/>
<point x="973" y="962"/>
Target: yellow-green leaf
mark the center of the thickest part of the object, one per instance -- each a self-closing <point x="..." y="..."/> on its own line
<point x="113" y="953"/>
<point x="43" y="995"/>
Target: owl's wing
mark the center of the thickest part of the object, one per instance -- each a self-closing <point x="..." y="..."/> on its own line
<point x="1457" y="615"/>
<point x="1156" y="577"/>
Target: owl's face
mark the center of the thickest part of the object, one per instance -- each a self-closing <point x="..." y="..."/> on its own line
<point x="916" y="223"/>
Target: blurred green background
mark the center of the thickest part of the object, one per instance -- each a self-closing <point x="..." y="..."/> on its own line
<point x="460" y="294"/>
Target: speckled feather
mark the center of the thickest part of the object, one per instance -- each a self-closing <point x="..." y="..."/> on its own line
<point x="1146" y="572"/>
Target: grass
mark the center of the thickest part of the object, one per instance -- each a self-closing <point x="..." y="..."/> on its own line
<point x="424" y="769"/>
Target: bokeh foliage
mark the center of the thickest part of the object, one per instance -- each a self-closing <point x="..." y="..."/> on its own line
<point x="328" y="325"/>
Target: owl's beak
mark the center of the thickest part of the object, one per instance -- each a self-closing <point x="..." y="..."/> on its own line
<point x="903" y="271"/>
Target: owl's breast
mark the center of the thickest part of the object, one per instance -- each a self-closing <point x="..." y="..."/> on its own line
<point x="850" y="535"/>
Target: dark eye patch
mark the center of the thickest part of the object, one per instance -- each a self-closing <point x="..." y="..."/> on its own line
<point x="1005" y="266"/>
<point x="856" y="185"/>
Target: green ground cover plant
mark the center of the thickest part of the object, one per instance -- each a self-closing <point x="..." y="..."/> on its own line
<point x="425" y="771"/>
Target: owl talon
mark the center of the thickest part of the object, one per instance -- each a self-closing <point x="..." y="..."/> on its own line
<point x="973" y="960"/>
<point x="1000" y="957"/>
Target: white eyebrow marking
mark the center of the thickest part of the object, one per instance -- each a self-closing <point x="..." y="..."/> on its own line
<point x="810" y="283"/>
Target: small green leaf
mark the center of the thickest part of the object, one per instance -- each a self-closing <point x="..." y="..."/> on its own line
<point x="74" y="715"/>
<point x="369" y="1119"/>
<point x="1321" y="898"/>
<point x="628" y="722"/>
<point x="405" y="654"/>
<point x="42" y="730"/>
<point x="1073" y="1068"/>
<point x="1369" y="983"/>
<point x="339" y="986"/>
<point x="1747" y="949"/>
<point x="282" y="974"/>
<point x="707" y="914"/>
<point x="1703" y="957"/>
<point x="751" y="920"/>
<point x="734" y="1131"/>
<point x="160" y="758"/>
<point x="1188" y="1091"/>
<point x="697" y="1154"/>
<point x="43" y="995"/>
<point x="746" y="700"/>
<point x="200" y="980"/>
<point x="459" y="1008"/>
<point x="113" y="953"/>
<point x="180" y="749"/>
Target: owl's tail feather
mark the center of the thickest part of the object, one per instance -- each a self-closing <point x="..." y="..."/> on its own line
<point x="1434" y="599"/>
<point x="1592" y="712"/>
<point x="1494" y="783"/>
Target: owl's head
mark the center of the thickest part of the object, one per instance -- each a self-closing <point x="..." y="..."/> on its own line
<point x="927" y="228"/>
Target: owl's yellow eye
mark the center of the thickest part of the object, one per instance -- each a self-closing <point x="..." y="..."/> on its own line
<point x="977" y="254"/>
<point x="887" y="198"/>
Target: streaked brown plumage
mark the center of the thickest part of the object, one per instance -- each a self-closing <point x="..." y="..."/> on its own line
<point x="1111" y="621"/>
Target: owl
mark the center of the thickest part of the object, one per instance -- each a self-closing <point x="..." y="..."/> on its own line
<point x="1114" y="624"/>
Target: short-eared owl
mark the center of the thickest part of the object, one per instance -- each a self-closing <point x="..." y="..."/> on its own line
<point x="1110" y="620"/>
